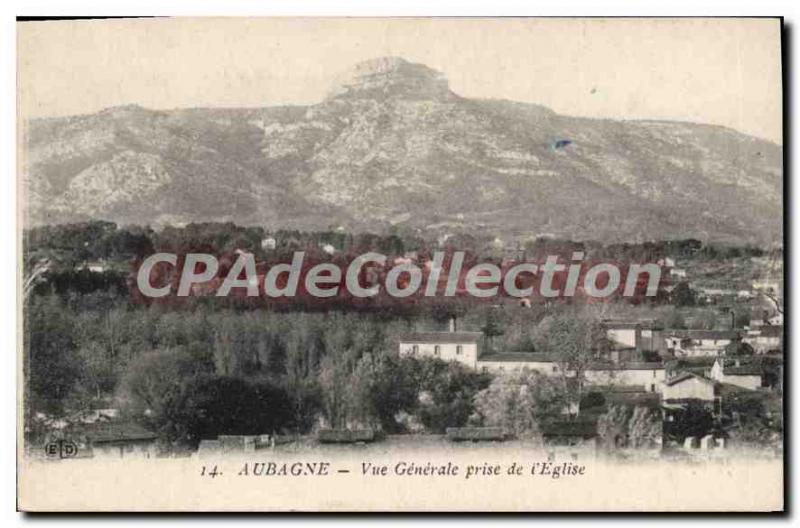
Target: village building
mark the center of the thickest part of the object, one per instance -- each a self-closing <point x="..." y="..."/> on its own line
<point x="541" y="362"/>
<point x="447" y="346"/>
<point x="698" y="343"/>
<point x="688" y="386"/>
<point x="628" y="340"/>
<point x="765" y="338"/>
<point x="696" y="365"/>
<point x="463" y="347"/>
<point x="650" y="375"/>
<point x="747" y="375"/>
<point x="678" y="273"/>
<point x="118" y="439"/>
<point x="95" y="266"/>
<point x="269" y="243"/>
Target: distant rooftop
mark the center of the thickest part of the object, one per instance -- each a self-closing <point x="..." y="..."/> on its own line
<point x="704" y="334"/>
<point x="687" y="376"/>
<point x="532" y="357"/>
<point x="122" y="431"/>
<point x="441" y="337"/>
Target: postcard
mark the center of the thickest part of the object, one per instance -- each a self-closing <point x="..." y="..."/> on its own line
<point x="401" y="265"/>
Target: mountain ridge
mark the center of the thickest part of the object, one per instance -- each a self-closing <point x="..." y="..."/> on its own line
<point x="392" y="147"/>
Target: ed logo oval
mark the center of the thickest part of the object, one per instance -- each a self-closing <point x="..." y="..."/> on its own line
<point x="61" y="449"/>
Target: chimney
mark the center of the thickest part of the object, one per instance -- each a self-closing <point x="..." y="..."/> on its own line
<point x="452" y="326"/>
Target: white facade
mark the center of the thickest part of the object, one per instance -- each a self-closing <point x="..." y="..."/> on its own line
<point x="446" y="346"/>
<point x="697" y="346"/>
<point x="623" y="336"/>
<point x="652" y="378"/>
<point x="765" y="338"/>
<point x="547" y="368"/>
<point x="747" y="380"/>
<point x="689" y="386"/>
<point x="269" y="243"/>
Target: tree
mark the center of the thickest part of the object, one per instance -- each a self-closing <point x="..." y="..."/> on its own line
<point x="684" y="295"/>
<point x="303" y="350"/>
<point x="645" y="427"/>
<point x="446" y="392"/>
<point x="739" y="349"/>
<point x="382" y="386"/>
<point x="52" y="366"/>
<point x="209" y="405"/>
<point x="612" y="426"/>
<point x="695" y="419"/>
<point x="491" y="328"/>
<point x="520" y="401"/>
<point x="575" y="340"/>
<point x="149" y="384"/>
<point x="336" y="369"/>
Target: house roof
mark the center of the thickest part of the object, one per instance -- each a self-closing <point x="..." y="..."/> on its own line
<point x="743" y="370"/>
<point x="532" y="357"/>
<point x="547" y="357"/>
<point x="702" y="361"/>
<point x="106" y="432"/>
<point x="441" y="337"/>
<point x="628" y="365"/>
<point x="620" y="324"/>
<point x="729" y="389"/>
<point x="683" y="376"/>
<point x="704" y="334"/>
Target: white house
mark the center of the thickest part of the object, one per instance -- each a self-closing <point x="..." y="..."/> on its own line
<point x="633" y="336"/>
<point x="678" y="272"/>
<point x="626" y="333"/>
<point x="688" y="386"/>
<point x="447" y="346"/>
<point x="648" y="375"/>
<point x="651" y="375"/>
<point x="765" y="338"/>
<point x="697" y="343"/>
<point x="269" y="243"/>
<point x="98" y="266"/>
<point x="508" y="361"/>
<point x="733" y="372"/>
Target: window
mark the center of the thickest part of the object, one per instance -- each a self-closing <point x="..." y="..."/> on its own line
<point x="555" y="368"/>
<point x="414" y="350"/>
<point x="652" y="387"/>
<point x="654" y="373"/>
<point x="459" y="349"/>
<point x="437" y="350"/>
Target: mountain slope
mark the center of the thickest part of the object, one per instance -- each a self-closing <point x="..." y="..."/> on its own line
<point x="392" y="145"/>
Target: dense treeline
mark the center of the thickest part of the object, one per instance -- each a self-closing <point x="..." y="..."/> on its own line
<point x="194" y="372"/>
<point x="72" y="244"/>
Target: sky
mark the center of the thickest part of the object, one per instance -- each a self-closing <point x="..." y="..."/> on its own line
<point x="717" y="71"/>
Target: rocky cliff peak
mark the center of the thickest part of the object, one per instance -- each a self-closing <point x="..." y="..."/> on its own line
<point x="391" y="77"/>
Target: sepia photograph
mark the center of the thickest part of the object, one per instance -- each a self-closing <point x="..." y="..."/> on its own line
<point x="401" y="265"/>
